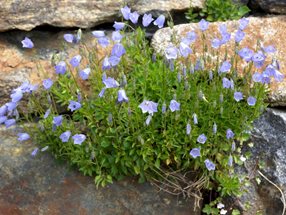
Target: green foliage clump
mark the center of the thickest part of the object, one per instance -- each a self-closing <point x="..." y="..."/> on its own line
<point x="218" y="10"/>
<point x="132" y="112"/>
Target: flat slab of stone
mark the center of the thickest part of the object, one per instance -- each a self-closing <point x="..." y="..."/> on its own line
<point x="39" y="185"/>
<point x="269" y="30"/>
<point x="26" y="15"/>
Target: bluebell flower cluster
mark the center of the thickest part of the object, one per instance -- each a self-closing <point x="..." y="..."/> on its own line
<point x="178" y="104"/>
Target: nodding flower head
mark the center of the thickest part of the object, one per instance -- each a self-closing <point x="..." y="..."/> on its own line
<point x="148" y="106"/>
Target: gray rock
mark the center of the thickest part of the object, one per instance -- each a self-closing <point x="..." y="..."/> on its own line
<point x="26" y="15"/>
<point x="270" y="6"/>
<point x="269" y="138"/>
<point x="39" y="185"/>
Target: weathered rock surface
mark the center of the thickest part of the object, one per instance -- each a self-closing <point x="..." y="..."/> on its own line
<point x="26" y="15"/>
<point x="38" y="185"/>
<point x="269" y="137"/>
<point x="269" y="30"/>
<point x="18" y="65"/>
<point x="270" y="6"/>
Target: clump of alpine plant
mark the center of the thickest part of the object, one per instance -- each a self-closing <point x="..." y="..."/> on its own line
<point x="145" y="113"/>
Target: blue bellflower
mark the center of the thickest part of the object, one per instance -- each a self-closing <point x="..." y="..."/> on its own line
<point x="110" y="83"/>
<point x="216" y="43"/>
<point x="251" y="101"/>
<point x="239" y="36"/>
<point x="116" y="36"/>
<point x="269" y="49"/>
<point x="185" y="50"/>
<point x="214" y="128"/>
<point x="195" y="152"/>
<point x="103" y="42"/>
<point x="98" y="34"/>
<point x="47" y="113"/>
<point x="118" y="50"/>
<point x="47" y="83"/>
<point x="3" y="119"/>
<point x="246" y="54"/>
<point x="174" y="105"/>
<point x="35" y="152"/>
<point x="192" y="36"/>
<point x="57" y="120"/>
<point x="114" y="60"/>
<point x="105" y="64"/>
<point x="118" y="25"/>
<point x="133" y="17"/>
<point x="84" y="73"/>
<point x="3" y="110"/>
<point x="229" y="134"/>
<point x="23" y="136"/>
<point x="75" y="61"/>
<point x="27" y="43"/>
<point x="202" y="138"/>
<point x="148" y="106"/>
<point x="17" y="95"/>
<point x="147" y="19"/>
<point x="188" y="129"/>
<point x="203" y="25"/>
<point x="126" y="12"/>
<point x="74" y="105"/>
<point x="78" y="139"/>
<point x="238" y="96"/>
<point x="225" y="67"/>
<point x="209" y="165"/>
<point x="121" y="96"/>
<point x="243" y="23"/>
<point x="9" y="122"/>
<point x="160" y="21"/>
<point x="171" y="53"/>
<point x="65" y="136"/>
<point x="61" y="68"/>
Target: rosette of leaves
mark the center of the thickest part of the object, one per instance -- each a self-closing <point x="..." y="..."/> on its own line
<point x="218" y="10"/>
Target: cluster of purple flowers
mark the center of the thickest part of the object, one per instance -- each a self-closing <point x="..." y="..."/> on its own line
<point x="8" y="111"/>
<point x="171" y="53"/>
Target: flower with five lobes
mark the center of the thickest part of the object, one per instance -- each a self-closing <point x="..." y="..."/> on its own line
<point x="148" y="106"/>
<point x="133" y="17"/>
<point x="229" y="134"/>
<point x="121" y="96"/>
<point x="202" y="138"/>
<point x="203" y="25"/>
<point x="75" y="61"/>
<point x="27" y="43"/>
<point x="61" y="68"/>
<point x="110" y="83"/>
<point x="160" y="21"/>
<point x="126" y="12"/>
<point x="47" y="83"/>
<point x="78" y="139"/>
<point x="118" y="25"/>
<point x="174" y="105"/>
<point x="209" y="165"/>
<point x="23" y="136"/>
<point x="195" y="152"/>
<point x="171" y="53"/>
<point x="147" y="19"/>
<point x="98" y="34"/>
<point x="65" y="136"/>
<point x="84" y="73"/>
<point x="74" y="105"/>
